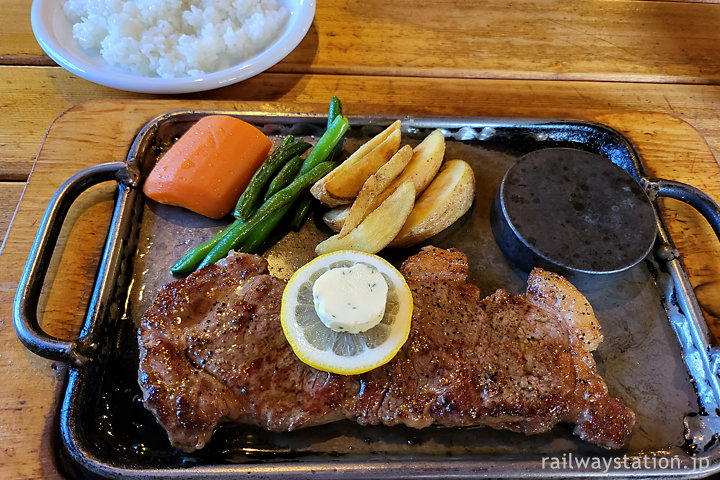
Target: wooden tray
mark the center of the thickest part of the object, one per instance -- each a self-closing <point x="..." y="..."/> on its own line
<point x="101" y="131"/>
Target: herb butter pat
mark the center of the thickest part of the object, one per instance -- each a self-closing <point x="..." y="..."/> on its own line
<point x="350" y="299"/>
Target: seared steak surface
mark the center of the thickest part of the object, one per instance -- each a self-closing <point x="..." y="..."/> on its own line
<point x="212" y="349"/>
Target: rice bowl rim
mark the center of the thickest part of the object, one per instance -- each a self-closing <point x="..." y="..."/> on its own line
<point x="53" y="31"/>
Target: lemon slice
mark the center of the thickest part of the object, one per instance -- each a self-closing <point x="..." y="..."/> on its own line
<point x="343" y="352"/>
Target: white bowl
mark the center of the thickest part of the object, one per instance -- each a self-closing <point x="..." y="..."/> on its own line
<point x="53" y="31"/>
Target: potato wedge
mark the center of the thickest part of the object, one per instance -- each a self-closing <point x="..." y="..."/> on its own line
<point x="426" y="161"/>
<point x="373" y="186"/>
<point x="368" y="146"/>
<point x="424" y="165"/>
<point x="335" y="217"/>
<point x="445" y="200"/>
<point x="378" y="228"/>
<point x="427" y="158"/>
<point x="342" y="185"/>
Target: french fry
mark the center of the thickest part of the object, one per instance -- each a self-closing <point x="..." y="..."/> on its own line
<point x="379" y="227"/>
<point x="342" y="185"/>
<point x="373" y="186"/>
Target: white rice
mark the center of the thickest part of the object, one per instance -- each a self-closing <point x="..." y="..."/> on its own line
<point x="175" y="38"/>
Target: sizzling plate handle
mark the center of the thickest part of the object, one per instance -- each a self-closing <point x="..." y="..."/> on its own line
<point x="699" y="200"/>
<point x="25" y="315"/>
<point x="690" y="326"/>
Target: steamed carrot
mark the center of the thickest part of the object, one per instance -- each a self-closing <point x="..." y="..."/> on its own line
<point x="208" y="168"/>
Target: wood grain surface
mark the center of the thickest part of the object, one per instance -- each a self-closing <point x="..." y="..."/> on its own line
<point x="103" y="130"/>
<point x="620" y="40"/>
<point x="10" y="193"/>
<point x="17" y="42"/>
<point x="35" y="96"/>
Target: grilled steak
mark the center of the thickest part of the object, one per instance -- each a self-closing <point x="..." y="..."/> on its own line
<point x="212" y="349"/>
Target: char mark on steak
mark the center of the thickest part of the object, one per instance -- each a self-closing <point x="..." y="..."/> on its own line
<point x="212" y="349"/>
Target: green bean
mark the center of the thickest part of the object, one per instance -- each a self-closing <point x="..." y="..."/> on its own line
<point x="334" y="110"/>
<point x="324" y="147"/>
<point x="301" y="211"/>
<point x="253" y="225"/>
<point x="283" y="178"/>
<point x="274" y="162"/>
<point x="234" y="238"/>
<point x="189" y="262"/>
<point x="302" y="208"/>
<point x="263" y="230"/>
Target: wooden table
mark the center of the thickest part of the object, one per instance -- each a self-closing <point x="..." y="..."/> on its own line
<point x="651" y="69"/>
